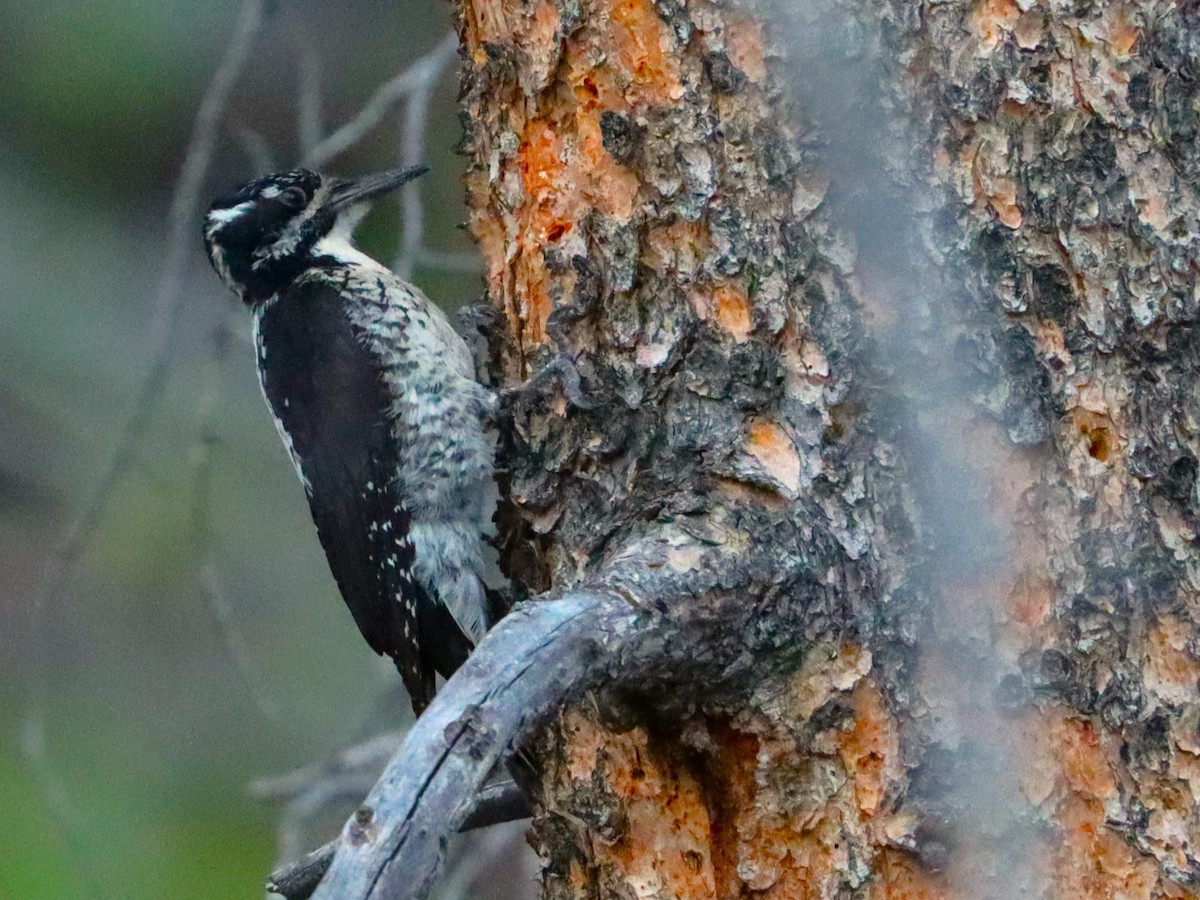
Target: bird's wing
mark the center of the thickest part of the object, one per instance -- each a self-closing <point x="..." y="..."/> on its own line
<point x="330" y="402"/>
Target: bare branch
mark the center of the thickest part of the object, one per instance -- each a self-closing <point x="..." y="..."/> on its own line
<point x="310" y="119"/>
<point x="497" y="802"/>
<point x="542" y="652"/>
<point x="165" y="316"/>
<point x="370" y="754"/>
<point x="414" y="125"/>
<point x="210" y="581"/>
<point x="312" y="789"/>
<point x="256" y="149"/>
<point x="386" y="97"/>
<point x="451" y="261"/>
<point x="298" y="880"/>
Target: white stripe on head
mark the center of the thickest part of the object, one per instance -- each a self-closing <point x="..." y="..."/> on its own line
<point x="219" y="217"/>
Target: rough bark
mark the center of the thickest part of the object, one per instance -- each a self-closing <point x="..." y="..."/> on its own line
<point x="940" y="630"/>
<point x="1063" y="171"/>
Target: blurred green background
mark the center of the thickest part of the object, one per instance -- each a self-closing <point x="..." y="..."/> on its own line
<point x="154" y="721"/>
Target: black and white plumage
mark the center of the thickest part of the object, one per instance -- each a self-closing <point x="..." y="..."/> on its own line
<point x="374" y="396"/>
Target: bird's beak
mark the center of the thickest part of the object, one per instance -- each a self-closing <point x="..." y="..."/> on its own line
<point x="345" y="194"/>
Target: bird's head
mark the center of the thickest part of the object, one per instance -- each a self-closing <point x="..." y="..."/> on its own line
<point x="262" y="235"/>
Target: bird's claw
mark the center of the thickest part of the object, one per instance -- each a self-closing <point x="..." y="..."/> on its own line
<point x="560" y="371"/>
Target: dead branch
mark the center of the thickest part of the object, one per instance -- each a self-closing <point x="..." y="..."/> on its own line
<point x="451" y="261"/>
<point x="413" y="126"/>
<point x="203" y="467"/>
<point x="413" y="78"/>
<point x="631" y="630"/>
<point x="543" y="652"/>
<point x="298" y="880"/>
<point x="310" y="121"/>
<point x="497" y="802"/>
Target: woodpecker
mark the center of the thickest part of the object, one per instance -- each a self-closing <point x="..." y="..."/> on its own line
<point x="374" y="396"/>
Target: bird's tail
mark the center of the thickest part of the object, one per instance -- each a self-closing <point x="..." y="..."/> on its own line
<point x="444" y="644"/>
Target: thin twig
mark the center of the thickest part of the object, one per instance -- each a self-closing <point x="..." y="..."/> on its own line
<point x="165" y="310"/>
<point x="467" y="261"/>
<point x="414" y="124"/>
<point x="521" y="671"/>
<point x="370" y="754"/>
<point x="380" y="104"/>
<point x="311" y="790"/>
<point x="235" y="644"/>
<point x="210" y="581"/>
<point x="256" y="148"/>
<point x="310" y="118"/>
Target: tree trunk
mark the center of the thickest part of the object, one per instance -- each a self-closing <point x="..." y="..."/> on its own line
<point x="856" y="343"/>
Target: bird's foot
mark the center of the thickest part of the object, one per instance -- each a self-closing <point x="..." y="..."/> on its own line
<point x="559" y="372"/>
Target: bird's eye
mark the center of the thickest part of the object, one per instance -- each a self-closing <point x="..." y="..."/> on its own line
<point x="293" y="197"/>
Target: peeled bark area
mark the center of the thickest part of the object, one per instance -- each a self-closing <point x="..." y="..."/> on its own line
<point x="737" y="458"/>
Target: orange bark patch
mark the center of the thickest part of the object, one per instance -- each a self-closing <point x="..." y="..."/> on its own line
<point x="548" y="213"/>
<point x="610" y="187"/>
<point x="1152" y="211"/>
<point x="744" y="43"/>
<point x="663" y="848"/>
<point x="995" y="186"/>
<point x="807" y="863"/>
<point x="993" y="20"/>
<point x="871" y="749"/>
<point x="1098" y="433"/>
<point x="758" y="847"/>
<point x="1170" y="671"/>
<point x="1122" y="35"/>
<point x="1083" y="762"/>
<point x="1093" y="861"/>
<point x="1088" y="858"/>
<point x="768" y="443"/>
<point x="1031" y="600"/>
<point x="902" y="878"/>
<point x="639" y="39"/>
<point x="619" y="62"/>
<point x="542" y="169"/>
<point x="1002" y="198"/>
<point x="731" y="309"/>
